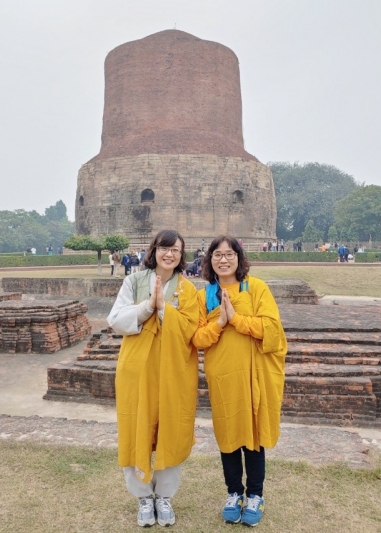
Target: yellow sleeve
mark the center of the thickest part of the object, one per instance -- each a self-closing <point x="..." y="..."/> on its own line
<point x="274" y="339"/>
<point x="207" y="333"/>
<point x="248" y="325"/>
<point x="186" y="316"/>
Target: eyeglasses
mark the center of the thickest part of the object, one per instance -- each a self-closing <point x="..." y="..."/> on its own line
<point x="217" y="256"/>
<point x="164" y="250"/>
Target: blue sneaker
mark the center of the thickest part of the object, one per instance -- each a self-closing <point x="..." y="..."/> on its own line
<point x="253" y="511"/>
<point x="231" y="512"/>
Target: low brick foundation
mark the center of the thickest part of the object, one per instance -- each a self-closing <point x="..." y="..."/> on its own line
<point x="292" y="291"/>
<point x="10" y="296"/>
<point x="333" y="367"/>
<point x="41" y="327"/>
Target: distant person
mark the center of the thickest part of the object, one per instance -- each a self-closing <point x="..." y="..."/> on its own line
<point x="346" y="253"/>
<point x="196" y="253"/>
<point x="111" y="261"/>
<point x="33" y="250"/>
<point x="341" y="253"/>
<point x="126" y="262"/>
<point x="299" y="246"/>
<point x="264" y="247"/>
<point x="203" y="245"/>
<point x="141" y="256"/>
<point x="323" y="247"/>
<point x="282" y="245"/>
<point x="134" y="262"/>
<point x="59" y="250"/>
<point x="116" y="259"/>
<point x="316" y="247"/>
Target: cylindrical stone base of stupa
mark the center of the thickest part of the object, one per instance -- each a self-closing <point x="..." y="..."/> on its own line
<point x="199" y="195"/>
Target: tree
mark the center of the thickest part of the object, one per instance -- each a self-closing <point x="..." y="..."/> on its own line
<point x="97" y="244"/>
<point x="56" y="211"/>
<point x="306" y="192"/>
<point x="20" y="229"/>
<point x="311" y="233"/>
<point x="333" y="235"/>
<point x="359" y="214"/>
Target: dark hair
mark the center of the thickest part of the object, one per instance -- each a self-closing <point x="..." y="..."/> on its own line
<point x="243" y="264"/>
<point x="165" y="237"/>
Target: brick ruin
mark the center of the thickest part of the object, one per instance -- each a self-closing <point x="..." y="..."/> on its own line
<point x="7" y="296"/>
<point x="41" y="327"/>
<point x="172" y="152"/>
<point x="333" y="364"/>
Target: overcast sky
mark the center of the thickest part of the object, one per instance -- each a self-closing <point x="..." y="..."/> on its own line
<point x="310" y="78"/>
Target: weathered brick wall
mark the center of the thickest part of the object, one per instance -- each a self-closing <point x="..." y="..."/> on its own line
<point x="198" y="195"/>
<point x="172" y="93"/>
<point x="103" y="288"/>
<point x="7" y="296"/>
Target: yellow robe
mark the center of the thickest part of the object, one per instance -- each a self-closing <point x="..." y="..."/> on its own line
<point x="156" y="388"/>
<point x="244" y="366"/>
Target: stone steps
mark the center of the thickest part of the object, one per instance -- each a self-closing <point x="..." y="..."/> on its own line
<point x="333" y="367"/>
<point x="333" y="354"/>
<point x="348" y="337"/>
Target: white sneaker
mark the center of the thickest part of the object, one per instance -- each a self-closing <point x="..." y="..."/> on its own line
<point x="165" y="514"/>
<point x="146" y="513"/>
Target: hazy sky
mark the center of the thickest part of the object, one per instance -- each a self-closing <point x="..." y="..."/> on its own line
<point x="310" y="77"/>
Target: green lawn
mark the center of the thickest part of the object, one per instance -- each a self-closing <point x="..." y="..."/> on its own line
<point x="48" y="489"/>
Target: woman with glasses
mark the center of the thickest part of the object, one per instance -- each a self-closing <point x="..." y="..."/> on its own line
<point x="245" y="347"/>
<point x="157" y="313"/>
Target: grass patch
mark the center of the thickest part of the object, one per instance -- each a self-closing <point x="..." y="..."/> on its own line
<point x="342" y="280"/>
<point x="77" y="490"/>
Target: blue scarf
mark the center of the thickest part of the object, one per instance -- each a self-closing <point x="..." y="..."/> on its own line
<point x="213" y="294"/>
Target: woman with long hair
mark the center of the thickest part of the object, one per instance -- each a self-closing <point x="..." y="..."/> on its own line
<point x="245" y="347"/>
<point x="157" y="313"/>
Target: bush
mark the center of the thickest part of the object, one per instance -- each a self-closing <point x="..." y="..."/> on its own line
<point x="50" y="260"/>
<point x="368" y="257"/>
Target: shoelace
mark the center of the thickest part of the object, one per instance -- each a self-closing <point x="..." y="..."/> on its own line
<point x="232" y="500"/>
<point x="146" y="505"/>
<point x="253" y="503"/>
<point x="163" y="505"/>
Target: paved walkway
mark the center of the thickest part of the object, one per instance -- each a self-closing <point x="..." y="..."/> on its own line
<point x="25" y="416"/>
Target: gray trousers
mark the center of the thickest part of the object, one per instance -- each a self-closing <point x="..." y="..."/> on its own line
<point x="163" y="483"/>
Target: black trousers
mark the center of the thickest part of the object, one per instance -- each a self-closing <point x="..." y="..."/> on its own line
<point x="255" y="471"/>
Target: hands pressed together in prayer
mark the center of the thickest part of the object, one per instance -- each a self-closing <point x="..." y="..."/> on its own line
<point x="227" y="310"/>
<point x="156" y="300"/>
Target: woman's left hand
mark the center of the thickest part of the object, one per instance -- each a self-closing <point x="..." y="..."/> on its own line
<point x="160" y="303"/>
<point x="230" y="312"/>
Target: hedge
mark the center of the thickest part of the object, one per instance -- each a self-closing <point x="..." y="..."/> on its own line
<point x="368" y="257"/>
<point x="51" y="260"/>
<point x="293" y="257"/>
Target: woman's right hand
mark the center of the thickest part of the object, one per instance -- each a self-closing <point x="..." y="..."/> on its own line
<point x="223" y="318"/>
<point x="152" y="300"/>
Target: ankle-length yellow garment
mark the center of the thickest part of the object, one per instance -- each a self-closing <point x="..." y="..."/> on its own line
<point x="244" y="367"/>
<point x="157" y="382"/>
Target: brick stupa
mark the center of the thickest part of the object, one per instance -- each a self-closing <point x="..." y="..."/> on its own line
<point x="172" y="151"/>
